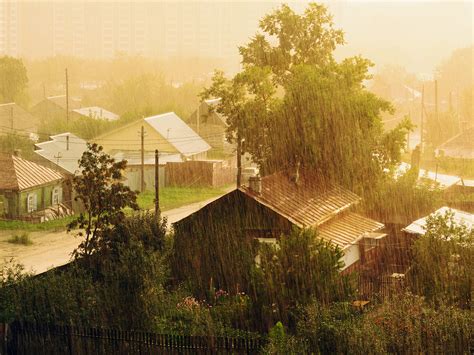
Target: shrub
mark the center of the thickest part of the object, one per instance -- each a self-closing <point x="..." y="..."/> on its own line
<point x="23" y="239"/>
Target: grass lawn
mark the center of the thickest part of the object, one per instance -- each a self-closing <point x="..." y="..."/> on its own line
<point x="170" y="197"/>
<point x="173" y="197"/>
<point x="55" y="225"/>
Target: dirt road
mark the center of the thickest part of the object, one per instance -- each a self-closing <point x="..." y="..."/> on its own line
<point x="51" y="249"/>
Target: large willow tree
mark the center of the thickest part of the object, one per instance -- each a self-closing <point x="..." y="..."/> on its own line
<point x="294" y="104"/>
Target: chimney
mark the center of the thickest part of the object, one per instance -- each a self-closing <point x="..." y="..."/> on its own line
<point x="255" y="184"/>
<point x="17" y="153"/>
<point x="67" y="142"/>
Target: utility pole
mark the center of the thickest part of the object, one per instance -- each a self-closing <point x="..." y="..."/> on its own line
<point x="142" y="135"/>
<point x="11" y="119"/>
<point x="421" y="123"/>
<point x="67" y="100"/>
<point x="436" y="101"/>
<point x="239" y="159"/>
<point x="157" y="184"/>
<point x="198" y="118"/>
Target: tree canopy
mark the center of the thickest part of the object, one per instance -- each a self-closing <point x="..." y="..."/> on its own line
<point x="294" y="104"/>
<point x="13" y="80"/>
<point x="100" y="189"/>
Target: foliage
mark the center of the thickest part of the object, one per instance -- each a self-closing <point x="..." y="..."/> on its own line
<point x="13" y="80"/>
<point x="408" y="200"/>
<point x="100" y="189"/>
<point x="444" y="261"/>
<point x="297" y="270"/>
<point x="440" y="129"/>
<point x="128" y="275"/>
<point x="84" y="127"/>
<point x="402" y="322"/>
<point x="23" y="239"/>
<point x="11" y="142"/>
<point x="293" y="103"/>
<point x="455" y="73"/>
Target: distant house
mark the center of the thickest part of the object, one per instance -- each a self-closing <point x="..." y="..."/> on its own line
<point x="63" y="151"/>
<point x="458" y="147"/>
<point x="55" y="107"/>
<point x="211" y="125"/>
<point x="14" y="119"/>
<point x="97" y="113"/>
<point x="27" y="188"/>
<point x="210" y="239"/>
<point x="417" y="228"/>
<point x="166" y="132"/>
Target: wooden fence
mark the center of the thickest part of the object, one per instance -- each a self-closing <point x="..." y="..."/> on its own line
<point x="32" y="338"/>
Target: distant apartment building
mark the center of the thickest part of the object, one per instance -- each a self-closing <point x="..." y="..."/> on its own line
<point x="104" y="29"/>
<point x="9" y="27"/>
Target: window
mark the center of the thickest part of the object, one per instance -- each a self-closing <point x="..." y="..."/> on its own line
<point x="32" y="201"/>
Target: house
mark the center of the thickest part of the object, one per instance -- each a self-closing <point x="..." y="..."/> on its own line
<point x="55" y="107"/>
<point x="14" y="119"/>
<point x="417" y="228"/>
<point x="166" y="132"/>
<point x="211" y="125"/>
<point x="458" y="147"/>
<point x="63" y="152"/>
<point x="97" y="113"/>
<point x="216" y="241"/>
<point x="29" y="190"/>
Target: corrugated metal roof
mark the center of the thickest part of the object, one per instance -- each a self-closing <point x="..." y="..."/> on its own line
<point x="56" y="150"/>
<point x="347" y="229"/>
<point x="97" y="113"/>
<point x="460" y="217"/>
<point x="21" y="174"/>
<point x="306" y="204"/>
<point x="178" y="133"/>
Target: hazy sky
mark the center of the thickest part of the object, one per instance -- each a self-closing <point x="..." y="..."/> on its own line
<point x="415" y="34"/>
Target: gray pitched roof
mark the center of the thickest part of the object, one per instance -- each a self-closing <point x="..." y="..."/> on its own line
<point x="178" y="133"/>
<point x="60" y="152"/>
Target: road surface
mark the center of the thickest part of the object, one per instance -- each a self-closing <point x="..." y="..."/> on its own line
<point x="52" y="249"/>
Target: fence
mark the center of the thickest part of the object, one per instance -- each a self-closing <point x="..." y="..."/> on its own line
<point x="32" y="338"/>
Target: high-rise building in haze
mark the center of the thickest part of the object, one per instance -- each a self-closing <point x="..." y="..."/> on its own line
<point x="103" y="29"/>
<point x="9" y="27"/>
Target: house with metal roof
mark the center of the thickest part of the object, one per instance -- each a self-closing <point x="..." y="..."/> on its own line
<point x="16" y="120"/>
<point x="211" y="125"/>
<point x="27" y="188"/>
<point x="459" y="217"/>
<point x="166" y="132"/>
<point x="96" y="113"/>
<point x="263" y="211"/>
<point x="63" y="152"/>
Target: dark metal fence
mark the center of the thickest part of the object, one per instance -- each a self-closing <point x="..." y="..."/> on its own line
<point x="32" y="338"/>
